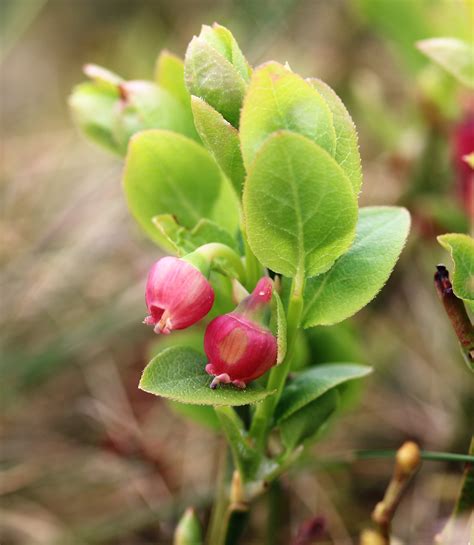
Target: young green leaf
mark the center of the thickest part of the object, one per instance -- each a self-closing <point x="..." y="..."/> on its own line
<point x="300" y="209"/>
<point x="147" y="106"/>
<point x="278" y="326"/>
<point x="313" y="383"/>
<point x="211" y="76"/>
<point x="93" y="110"/>
<point x="455" y="56"/>
<point x="461" y="248"/>
<point x="347" y="146"/>
<point x="223" y="40"/>
<point x="358" y="275"/>
<point x="185" y="240"/>
<point x="169" y="75"/>
<point x="167" y="173"/>
<point x="178" y="373"/>
<point x="278" y="99"/>
<point x="221" y="139"/>
<point x="304" y="425"/>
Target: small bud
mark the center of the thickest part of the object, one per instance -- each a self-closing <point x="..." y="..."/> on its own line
<point x="239" y="345"/>
<point x="177" y="295"/>
<point x="372" y="537"/>
<point x="217" y="72"/>
<point x="188" y="531"/>
<point x="408" y="457"/>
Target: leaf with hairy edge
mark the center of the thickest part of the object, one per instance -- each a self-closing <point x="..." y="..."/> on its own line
<point x="178" y="373"/>
<point x="210" y="76"/>
<point x="313" y="383"/>
<point x="358" y="275"/>
<point x="304" y="425"/>
<point x="167" y="173"/>
<point x="278" y="99"/>
<point x="455" y="56"/>
<point x="221" y="139"/>
<point x="461" y="248"/>
<point x="347" y="146"/>
<point x="300" y="209"/>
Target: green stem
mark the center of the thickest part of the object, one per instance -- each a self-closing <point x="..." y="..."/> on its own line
<point x="276" y="381"/>
<point x="212" y="251"/>
<point x="215" y="535"/>
<point x="425" y="455"/>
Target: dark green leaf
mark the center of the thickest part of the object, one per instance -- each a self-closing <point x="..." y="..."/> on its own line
<point x="178" y="373"/>
<point x="313" y="383"/>
<point x="358" y="275"/>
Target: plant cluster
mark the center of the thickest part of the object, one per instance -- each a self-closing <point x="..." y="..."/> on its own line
<point x="250" y="177"/>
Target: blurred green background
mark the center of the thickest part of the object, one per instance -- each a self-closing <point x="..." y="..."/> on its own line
<point x="87" y="458"/>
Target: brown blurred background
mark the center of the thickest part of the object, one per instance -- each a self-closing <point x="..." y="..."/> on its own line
<point x="87" y="458"/>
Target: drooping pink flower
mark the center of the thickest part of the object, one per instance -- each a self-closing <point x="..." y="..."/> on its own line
<point x="177" y="295"/>
<point x="239" y="346"/>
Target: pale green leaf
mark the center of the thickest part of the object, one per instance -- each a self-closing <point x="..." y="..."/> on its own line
<point x="313" y="383"/>
<point x="278" y="99"/>
<point x="169" y="75"/>
<point x="347" y="145"/>
<point x="167" y="173"/>
<point x="224" y="42"/>
<point x="455" y="56"/>
<point x="304" y="425"/>
<point x="221" y="139"/>
<point x="178" y="373"/>
<point x="148" y="106"/>
<point x="461" y="248"/>
<point x="93" y="108"/>
<point x="300" y="209"/>
<point x="210" y="76"/>
<point x="200" y="414"/>
<point x="358" y="275"/>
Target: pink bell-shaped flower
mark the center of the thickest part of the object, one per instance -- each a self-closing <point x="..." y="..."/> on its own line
<point x="177" y="295"/>
<point x="239" y="346"/>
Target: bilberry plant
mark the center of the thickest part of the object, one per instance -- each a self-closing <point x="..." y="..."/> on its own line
<point x="251" y="178"/>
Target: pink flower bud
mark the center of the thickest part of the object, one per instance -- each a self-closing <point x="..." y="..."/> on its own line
<point x="239" y="346"/>
<point x="177" y="295"/>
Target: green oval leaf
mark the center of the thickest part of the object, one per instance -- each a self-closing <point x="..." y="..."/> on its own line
<point x="461" y="248"/>
<point x="358" y="275"/>
<point x="304" y="425"/>
<point x="178" y="373"/>
<point x="313" y="383"/>
<point x="93" y="110"/>
<point x="455" y="56"/>
<point x="278" y="99"/>
<point x="167" y="173"/>
<point x="347" y="146"/>
<point x="221" y="139"/>
<point x="300" y="209"/>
